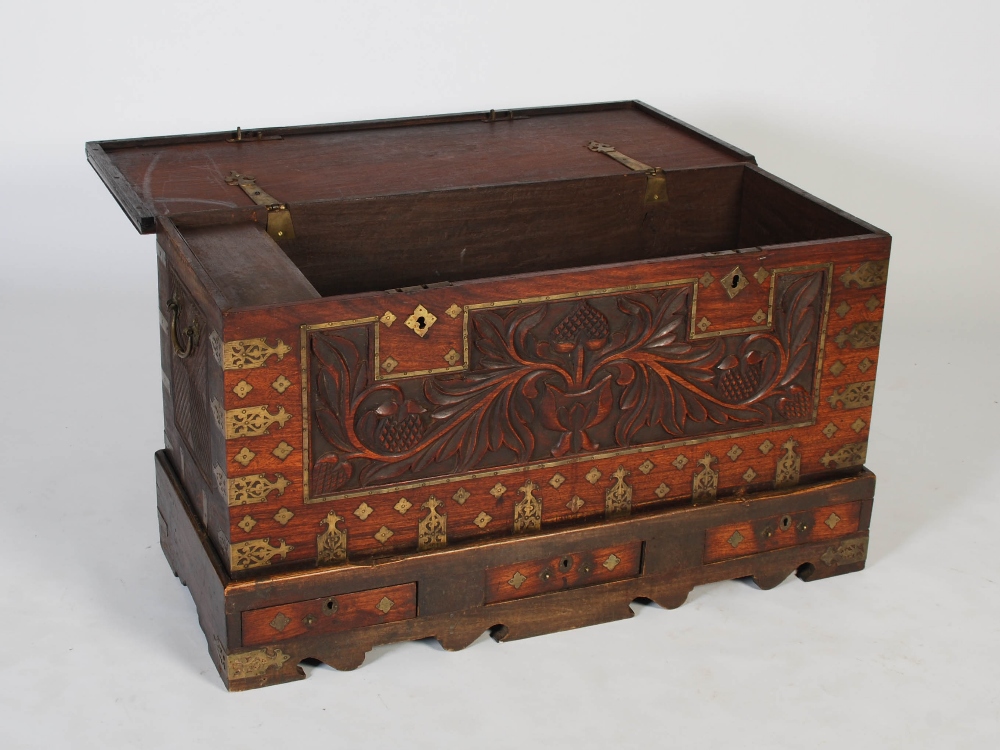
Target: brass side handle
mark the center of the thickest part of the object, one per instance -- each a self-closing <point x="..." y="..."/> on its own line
<point x="190" y="333"/>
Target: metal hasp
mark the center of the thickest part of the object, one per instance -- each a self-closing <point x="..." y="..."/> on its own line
<point x="279" y="220"/>
<point x="656" y="180"/>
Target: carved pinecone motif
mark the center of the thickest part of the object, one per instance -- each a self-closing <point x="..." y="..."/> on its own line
<point x="398" y="436"/>
<point x="796" y="405"/>
<point x="735" y="386"/>
<point x="585" y="323"/>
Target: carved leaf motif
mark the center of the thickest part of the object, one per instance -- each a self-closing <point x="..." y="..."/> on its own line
<point x="559" y="379"/>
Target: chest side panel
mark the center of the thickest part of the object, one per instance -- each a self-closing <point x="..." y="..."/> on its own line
<point x="424" y="417"/>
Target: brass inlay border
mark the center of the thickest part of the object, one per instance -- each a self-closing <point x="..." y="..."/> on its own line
<point x="601" y="292"/>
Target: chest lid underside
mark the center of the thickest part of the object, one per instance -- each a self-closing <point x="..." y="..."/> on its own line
<point x="200" y="174"/>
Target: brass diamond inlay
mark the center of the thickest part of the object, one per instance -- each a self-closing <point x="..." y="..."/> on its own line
<point x="832" y="521"/>
<point x="244" y="457"/>
<point x="462" y="495"/>
<point x="557" y="480"/>
<point x="865" y="364"/>
<point x="765" y="447"/>
<point x="734" y="452"/>
<point x="703" y="324"/>
<point x="388" y="319"/>
<point x="735" y="539"/>
<point x="872" y="303"/>
<point x="498" y="490"/>
<point x="612" y="562"/>
<point x="761" y="275"/>
<point x="517" y="579"/>
<point x="280" y="621"/>
<point x="483" y="519"/>
<point x="383" y="534"/>
<point x="858" y="424"/>
<point x="749" y="475"/>
<point x="247" y="523"/>
<point x="734" y="282"/>
<point x="759" y="317"/>
<point x="836" y="368"/>
<point x="420" y="321"/>
<point x="662" y="491"/>
<point x="242" y="388"/>
<point x="454" y="311"/>
<point x="282" y="450"/>
<point x="575" y="504"/>
<point x="646" y="466"/>
<point x="384" y="605"/>
<point x="281" y="384"/>
<point x="706" y="279"/>
<point x="593" y="476"/>
<point x="402" y="505"/>
<point x="451" y="357"/>
<point x="842" y="309"/>
<point x="389" y="364"/>
<point x="363" y="511"/>
<point x="283" y="516"/>
<point x="830" y="430"/>
<point x="680" y="462"/>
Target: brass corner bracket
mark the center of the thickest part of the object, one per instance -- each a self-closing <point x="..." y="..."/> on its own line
<point x="279" y="220"/>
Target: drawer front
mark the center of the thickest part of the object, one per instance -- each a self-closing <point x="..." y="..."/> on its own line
<point x="788" y="530"/>
<point x="572" y="570"/>
<point x="330" y="614"/>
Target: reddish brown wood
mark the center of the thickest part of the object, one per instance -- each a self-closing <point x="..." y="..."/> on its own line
<point x="330" y="614"/>
<point x="787" y="530"/>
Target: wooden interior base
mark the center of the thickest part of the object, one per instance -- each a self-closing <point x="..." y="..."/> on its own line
<point x="260" y="629"/>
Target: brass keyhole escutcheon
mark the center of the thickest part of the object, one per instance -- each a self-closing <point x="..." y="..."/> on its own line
<point x="565" y="564"/>
<point x="421" y="320"/>
<point x="736" y="281"/>
<point x="786" y="523"/>
<point x="330" y="607"/>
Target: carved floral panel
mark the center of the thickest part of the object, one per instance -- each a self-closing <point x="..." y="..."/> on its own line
<point x="556" y="380"/>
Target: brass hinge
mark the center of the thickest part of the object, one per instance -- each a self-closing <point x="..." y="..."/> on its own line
<point x="279" y="220"/>
<point x="656" y="181"/>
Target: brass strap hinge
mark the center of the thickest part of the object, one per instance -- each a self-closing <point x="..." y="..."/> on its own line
<point x="656" y="181"/>
<point x="279" y="220"/>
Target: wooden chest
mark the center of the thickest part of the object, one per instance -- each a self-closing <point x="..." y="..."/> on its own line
<point x="505" y="370"/>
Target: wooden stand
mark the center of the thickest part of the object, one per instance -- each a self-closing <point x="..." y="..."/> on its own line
<point x="259" y="629"/>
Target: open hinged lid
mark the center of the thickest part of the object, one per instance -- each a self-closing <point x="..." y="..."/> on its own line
<point x="238" y="172"/>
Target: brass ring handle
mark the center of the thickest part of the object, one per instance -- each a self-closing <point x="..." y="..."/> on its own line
<point x="191" y="332"/>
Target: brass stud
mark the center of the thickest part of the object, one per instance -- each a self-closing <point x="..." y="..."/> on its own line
<point x="454" y="311"/>
<point x="280" y="621"/>
<point x="836" y="368"/>
<point x="842" y="309"/>
<point x="765" y="447"/>
<point x="706" y="279"/>
<point x="389" y="364"/>
<point x="735" y="452"/>
<point x="388" y="319"/>
<point x="557" y="480"/>
<point x="872" y="303"/>
<point x="281" y="384"/>
<point x="749" y="475"/>
<point x="612" y="562"/>
<point x="865" y="364"/>
<point x="244" y="457"/>
<point x="646" y="466"/>
<point x="832" y="521"/>
<point x="759" y="317"/>
<point x="761" y="275"/>
<point x="282" y="450"/>
<point x="247" y="523"/>
<point x="498" y="490"/>
<point x="735" y="539"/>
<point x="575" y="504"/>
<point x="461" y="495"/>
<point x="451" y="357"/>
<point x="830" y="430"/>
<point x="283" y="516"/>
<point x="384" y="605"/>
<point x="662" y="491"/>
<point x="483" y="519"/>
<point x="383" y="535"/>
<point x="242" y="388"/>
<point x="680" y="462"/>
<point x="402" y="505"/>
<point x="363" y="511"/>
<point x="593" y="476"/>
<point x="517" y="579"/>
<point x="858" y="424"/>
<point x="703" y="324"/>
